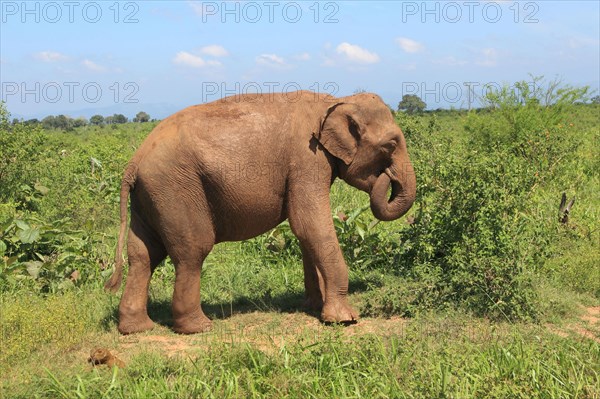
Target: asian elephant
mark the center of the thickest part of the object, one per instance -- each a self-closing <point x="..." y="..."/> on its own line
<point x="234" y="168"/>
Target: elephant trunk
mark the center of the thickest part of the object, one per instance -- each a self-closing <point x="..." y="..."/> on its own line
<point x="402" y="197"/>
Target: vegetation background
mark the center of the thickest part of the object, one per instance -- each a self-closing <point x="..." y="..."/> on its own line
<point x="480" y="292"/>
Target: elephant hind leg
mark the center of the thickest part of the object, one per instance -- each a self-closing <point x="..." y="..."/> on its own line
<point x="188" y="235"/>
<point x="188" y="317"/>
<point x="191" y="238"/>
<point x="144" y="252"/>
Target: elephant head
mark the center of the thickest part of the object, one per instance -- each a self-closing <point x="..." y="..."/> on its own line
<point x="371" y="153"/>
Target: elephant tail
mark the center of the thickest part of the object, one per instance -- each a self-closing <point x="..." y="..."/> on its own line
<point x="114" y="283"/>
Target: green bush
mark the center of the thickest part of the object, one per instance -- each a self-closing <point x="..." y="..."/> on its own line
<point x="20" y="148"/>
<point x="44" y="256"/>
<point x="478" y="237"/>
<point x="364" y="247"/>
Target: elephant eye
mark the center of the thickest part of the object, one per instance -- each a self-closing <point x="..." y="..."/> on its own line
<point x="389" y="146"/>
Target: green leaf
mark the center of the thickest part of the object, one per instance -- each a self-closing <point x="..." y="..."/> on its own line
<point x="33" y="268"/>
<point x="360" y="229"/>
<point x="2" y="248"/>
<point x="29" y="235"/>
<point x="65" y="285"/>
<point x="21" y="224"/>
<point x="11" y="260"/>
<point x="41" y="189"/>
<point x="7" y="225"/>
<point x="96" y="162"/>
<point x="374" y="223"/>
<point x="66" y="255"/>
<point x="339" y="224"/>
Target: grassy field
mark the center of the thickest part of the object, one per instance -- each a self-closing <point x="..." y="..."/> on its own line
<point x="271" y="352"/>
<point x="484" y="294"/>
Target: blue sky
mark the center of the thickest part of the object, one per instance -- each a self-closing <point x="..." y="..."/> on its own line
<point x="80" y="58"/>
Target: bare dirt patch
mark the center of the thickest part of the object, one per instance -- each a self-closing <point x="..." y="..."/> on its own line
<point x="268" y="332"/>
<point x="588" y="325"/>
<point x="171" y="345"/>
<point x="592" y="315"/>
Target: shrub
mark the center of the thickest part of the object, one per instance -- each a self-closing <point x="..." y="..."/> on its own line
<point x="20" y="148"/>
<point x="477" y="237"/>
<point x="54" y="198"/>
<point x="45" y="256"/>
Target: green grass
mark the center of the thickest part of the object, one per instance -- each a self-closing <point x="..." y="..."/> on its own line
<point x="271" y="355"/>
<point x="32" y="322"/>
<point x="520" y="367"/>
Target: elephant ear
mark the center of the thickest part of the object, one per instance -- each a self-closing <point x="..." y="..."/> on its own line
<point x="340" y="132"/>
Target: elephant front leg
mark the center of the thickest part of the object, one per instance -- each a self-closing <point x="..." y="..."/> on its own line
<point x="332" y="267"/>
<point x="320" y="248"/>
<point x="314" y="286"/>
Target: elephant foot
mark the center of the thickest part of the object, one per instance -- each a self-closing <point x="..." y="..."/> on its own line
<point x="338" y="312"/>
<point x="131" y="325"/>
<point x="192" y="324"/>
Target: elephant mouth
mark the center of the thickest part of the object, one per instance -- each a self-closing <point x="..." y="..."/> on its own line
<point x="389" y="173"/>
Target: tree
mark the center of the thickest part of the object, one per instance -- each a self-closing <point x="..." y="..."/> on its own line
<point x="141" y="117"/>
<point x="412" y="104"/>
<point x="48" y="122"/>
<point x="81" y="121"/>
<point x="63" y="122"/>
<point x="119" y="118"/>
<point x="97" y="120"/>
<point x="596" y="100"/>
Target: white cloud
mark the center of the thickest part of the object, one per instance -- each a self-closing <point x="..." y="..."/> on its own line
<point x="92" y="66"/>
<point x="302" y="57"/>
<point x="409" y="45"/>
<point x="50" y="56"/>
<point x="214" y="50"/>
<point x="489" y="57"/>
<point x="272" y="60"/>
<point x="187" y="59"/>
<point x="357" y="54"/>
